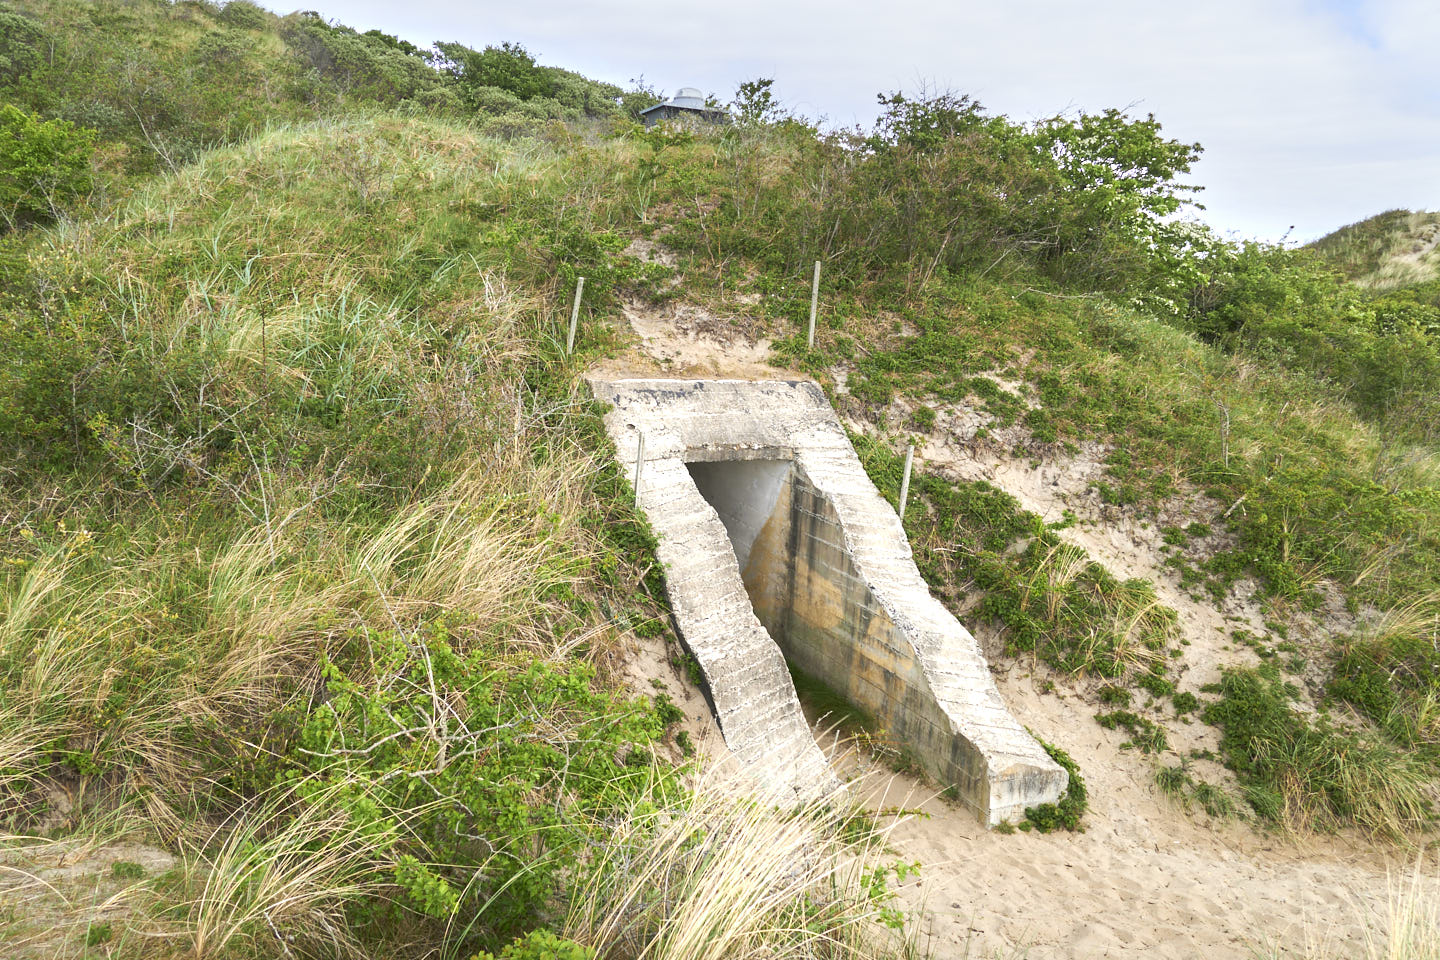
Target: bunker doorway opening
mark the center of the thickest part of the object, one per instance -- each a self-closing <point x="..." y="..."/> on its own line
<point x="802" y="587"/>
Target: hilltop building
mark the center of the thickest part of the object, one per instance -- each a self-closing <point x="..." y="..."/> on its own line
<point x="688" y="104"/>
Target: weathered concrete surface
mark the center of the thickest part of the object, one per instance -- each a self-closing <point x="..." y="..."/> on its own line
<point x="793" y="542"/>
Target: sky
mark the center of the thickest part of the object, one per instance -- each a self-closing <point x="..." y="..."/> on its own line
<point x="1313" y="113"/>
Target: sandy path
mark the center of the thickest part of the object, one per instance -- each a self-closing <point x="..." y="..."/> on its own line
<point x="1145" y="879"/>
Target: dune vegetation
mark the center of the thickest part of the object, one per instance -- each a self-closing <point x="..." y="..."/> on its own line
<point x="316" y="571"/>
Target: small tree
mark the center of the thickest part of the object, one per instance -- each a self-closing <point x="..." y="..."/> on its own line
<point x="755" y="102"/>
<point x="44" y="166"/>
<point x="510" y="67"/>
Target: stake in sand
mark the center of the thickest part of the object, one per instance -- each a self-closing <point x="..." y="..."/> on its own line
<point x="639" y="459"/>
<point x="814" y="303"/>
<point x="905" y="480"/>
<point x="574" y="316"/>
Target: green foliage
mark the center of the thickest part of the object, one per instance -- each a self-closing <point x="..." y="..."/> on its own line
<point x="1309" y="774"/>
<point x="369" y="66"/>
<point x="1155" y="684"/>
<point x="1145" y="735"/>
<point x="1289" y="307"/>
<point x="507" y="80"/>
<point x="44" y="166"/>
<point x="1114" y="695"/>
<point x="1179" y="783"/>
<point x="20" y="44"/>
<point x="509" y="769"/>
<point x="540" y="945"/>
<point x="1185" y="702"/>
<point x="1395" y="681"/>
<point x="1113" y="215"/>
<point x="666" y="710"/>
<point x="509" y="67"/>
<point x="244" y="15"/>
<point x="755" y="102"/>
<point x="640" y="97"/>
<point x="928" y="123"/>
<point x="1069" y="811"/>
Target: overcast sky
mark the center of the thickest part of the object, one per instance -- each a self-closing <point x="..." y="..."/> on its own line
<point x="1315" y="113"/>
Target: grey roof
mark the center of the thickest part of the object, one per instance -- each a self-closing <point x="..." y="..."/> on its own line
<point x="686" y="98"/>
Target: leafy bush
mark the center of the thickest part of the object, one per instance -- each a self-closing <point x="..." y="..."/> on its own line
<point x="244" y="14"/>
<point x="20" y="43"/>
<point x="540" y="945"/>
<point x="1394" y="680"/>
<point x="367" y="67"/>
<point x="508" y="67"/>
<point x="44" y="166"/>
<point x="510" y="770"/>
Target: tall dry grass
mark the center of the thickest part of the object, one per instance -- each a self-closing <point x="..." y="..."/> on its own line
<point x="723" y="876"/>
<point x="127" y="674"/>
<point x="275" y="879"/>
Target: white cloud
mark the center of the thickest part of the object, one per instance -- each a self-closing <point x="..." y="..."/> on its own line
<point x="1312" y="112"/>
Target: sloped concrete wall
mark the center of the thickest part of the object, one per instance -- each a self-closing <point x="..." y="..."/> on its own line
<point x="830" y="573"/>
<point x="749" y="684"/>
<point x="837" y="631"/>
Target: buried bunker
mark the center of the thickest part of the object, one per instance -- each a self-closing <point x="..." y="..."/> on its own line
<point x="776" y="546"/>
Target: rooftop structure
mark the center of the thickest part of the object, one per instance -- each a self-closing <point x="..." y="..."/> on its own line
<point x="688" y="104"/>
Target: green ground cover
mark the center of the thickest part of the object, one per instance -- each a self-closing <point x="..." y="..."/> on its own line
<point x="316" y="568"/>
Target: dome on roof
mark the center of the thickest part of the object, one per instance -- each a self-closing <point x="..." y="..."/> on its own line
<point x="688" y="97"/>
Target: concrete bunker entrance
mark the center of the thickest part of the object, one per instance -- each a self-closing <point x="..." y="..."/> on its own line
<point x="808" y="595"/>
<point x="777" y="547"/>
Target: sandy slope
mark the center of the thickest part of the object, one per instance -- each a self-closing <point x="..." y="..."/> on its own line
<point x="1147" y="878"/>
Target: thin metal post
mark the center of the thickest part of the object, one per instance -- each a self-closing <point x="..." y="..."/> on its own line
<point x="814" y="303"/>
<point x="905" y="481"/>
<point x="639" y="459"/>
<point x="574" y="316"/>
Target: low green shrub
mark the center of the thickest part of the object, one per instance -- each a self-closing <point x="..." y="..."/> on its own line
<point x="508" y="769"/>
<point x="1145" y="735"/>
<point x="1068" y="812"/>
<point x="540" y="945"/>
<point x="1309" y="774"/>
<point x="44" y="166"/>
<point x="1395" y="681"/>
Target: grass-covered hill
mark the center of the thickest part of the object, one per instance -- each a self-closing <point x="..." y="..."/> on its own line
<point x="1396" y="248"/>
<point x="317" y="575"/>
<point x="151" y="84"/>
<point x="323" y="582"/>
